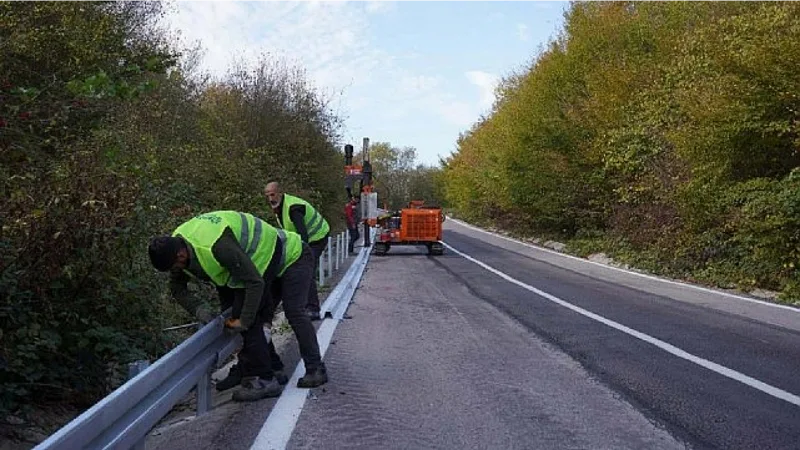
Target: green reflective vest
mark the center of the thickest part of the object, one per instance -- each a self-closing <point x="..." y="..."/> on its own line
<point x="316" y="225"/>
<point x="256" y="238"/>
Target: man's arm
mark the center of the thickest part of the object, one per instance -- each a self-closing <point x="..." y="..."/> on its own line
<point x="230" y="255"/>
<point x="178" y="286"/>
<point x="297" y="213"/>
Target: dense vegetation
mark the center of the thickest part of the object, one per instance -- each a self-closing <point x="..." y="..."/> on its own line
<point x="399" y="178"/>
<point x="108" y="135"/>
<point x="665" y="133"/>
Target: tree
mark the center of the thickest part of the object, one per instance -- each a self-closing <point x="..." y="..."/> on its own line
<point x="106" y="139"/>
<point x="656" y="126"/>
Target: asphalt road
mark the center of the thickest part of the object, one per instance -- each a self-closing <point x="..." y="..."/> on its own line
<point x="500" y="345"/>
<point x="443" y="353"/>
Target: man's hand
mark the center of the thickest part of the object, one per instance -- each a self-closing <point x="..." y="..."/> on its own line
<point x="233" y="326"/>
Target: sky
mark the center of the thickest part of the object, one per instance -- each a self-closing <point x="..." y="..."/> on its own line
<point x="412" y="73"/>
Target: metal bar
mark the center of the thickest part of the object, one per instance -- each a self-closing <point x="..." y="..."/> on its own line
<point x="205" y="398"/>
<point x="137" y="367"/>
<point x="336" y="253"/>
<point x="329" y="261"/>
<point x="347" y="238"/>
<point x="140" y="420"/>
<point x="229" y="348"/>
<point x="141" y="445"/>
<point x="180" y="327"/>
<point x="321" y="270"/>
<point x="105" y="413"/>
<point x="330" y="304"/>
<point x="344" y="246"/>
<point x="355" y="272"/>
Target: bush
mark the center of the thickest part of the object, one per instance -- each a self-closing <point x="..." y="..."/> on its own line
<point x="106" y="140"/>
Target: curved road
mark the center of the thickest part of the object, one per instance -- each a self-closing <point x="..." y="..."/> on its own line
<point x="532" y="349"/>
<point x="498" y="344"/>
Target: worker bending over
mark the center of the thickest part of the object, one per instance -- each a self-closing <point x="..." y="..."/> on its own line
<point x="243" y="256"/>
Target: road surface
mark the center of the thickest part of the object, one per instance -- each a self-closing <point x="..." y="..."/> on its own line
<point x="500" y="345"/>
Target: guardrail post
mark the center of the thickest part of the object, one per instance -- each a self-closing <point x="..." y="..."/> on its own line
<point x="321" y="270"/>
<point x="344" y="246"/>
<point x="338" y="249"/>
<point x="125" y="417"/>
<point x="330" y="262"/>
<point x="340" y="252"/>
<point x="135" y="368"/>
<point x="205" y="398"/>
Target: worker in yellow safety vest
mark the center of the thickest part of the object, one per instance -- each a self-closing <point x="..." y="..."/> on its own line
<point x="295" y="214"/>
<point x="247" y="260"/>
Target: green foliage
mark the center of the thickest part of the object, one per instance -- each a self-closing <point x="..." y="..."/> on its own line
<point x="398" y="179"/>
<point x="665" y="133"/>
<point x="105" y="141"/>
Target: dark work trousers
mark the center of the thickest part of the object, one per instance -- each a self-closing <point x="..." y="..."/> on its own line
<point x="295" y="283"/>
<point x="317" y="247"/>
<point x="354" y="235"/>
<point x="257" y="357"/>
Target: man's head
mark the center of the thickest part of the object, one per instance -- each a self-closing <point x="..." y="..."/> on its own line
<point x="273" y="194"/>
<point x="168" y="253"/>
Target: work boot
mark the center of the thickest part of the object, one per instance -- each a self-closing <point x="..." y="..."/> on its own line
<point x="314" y="378"/>
<point x="233" y="379"/>
<point x="281" y="377"/>
<point x="256" y="388"/>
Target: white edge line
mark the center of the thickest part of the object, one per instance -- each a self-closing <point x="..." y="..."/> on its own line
<point x="643" y="275"/>
<point x="279" y="425"/>
<point x="722" y="370"/>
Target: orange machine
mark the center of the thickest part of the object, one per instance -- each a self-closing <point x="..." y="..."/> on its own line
<point x="415" y="225"/>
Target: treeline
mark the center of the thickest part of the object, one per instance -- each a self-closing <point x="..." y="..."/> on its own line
<point x="108" y="136"/>
<point x="399" y="177"/>
<point x="665" y="133"/>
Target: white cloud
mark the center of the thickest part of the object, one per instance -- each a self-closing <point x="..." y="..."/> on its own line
<point x="329" y="40"/>
<point x="523" y="32"/>
<point x="487" y="83"/>
<point x="378" y="7"/>
<point x="425" y="94"/>
<point x="334" y="43"/>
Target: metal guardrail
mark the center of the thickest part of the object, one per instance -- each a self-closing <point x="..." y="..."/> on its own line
<point x="334" y="306"/>
<point x="123" y="418"/>
<point x="334" y="255"/>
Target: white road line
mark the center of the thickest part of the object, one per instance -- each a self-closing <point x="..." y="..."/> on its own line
<point x="722" y="370"/>
<point x="278" y="428"/>
<point x="649" y="277"/>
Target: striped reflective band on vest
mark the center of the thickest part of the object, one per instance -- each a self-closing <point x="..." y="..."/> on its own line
<point x="282" y="237"/>
<point x="245" y="235"/>
<point x="315" y="224"/>
<point x="251" y="249"/>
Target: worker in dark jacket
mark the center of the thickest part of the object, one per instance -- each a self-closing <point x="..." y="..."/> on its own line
<point x="243" y="256"/>
<point x="295" y="214"/>
<point x="351" y="218"/>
